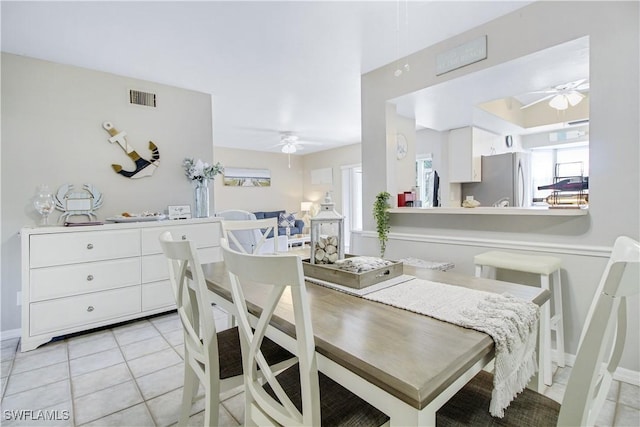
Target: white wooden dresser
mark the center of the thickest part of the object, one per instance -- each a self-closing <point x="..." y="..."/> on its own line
<point x="80" y="278"/>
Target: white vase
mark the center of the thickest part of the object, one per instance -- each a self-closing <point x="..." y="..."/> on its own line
<point x="201" y="199"/>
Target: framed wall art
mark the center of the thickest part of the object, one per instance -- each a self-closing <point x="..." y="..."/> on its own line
<point x="247" y="177"/>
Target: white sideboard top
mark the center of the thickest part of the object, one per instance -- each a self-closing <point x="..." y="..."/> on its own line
<point x="34" y="229"/>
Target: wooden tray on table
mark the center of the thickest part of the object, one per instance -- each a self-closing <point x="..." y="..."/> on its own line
<point x="331" y="273"/>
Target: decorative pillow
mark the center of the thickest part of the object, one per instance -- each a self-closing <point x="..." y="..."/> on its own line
<point x="287" y="220"/>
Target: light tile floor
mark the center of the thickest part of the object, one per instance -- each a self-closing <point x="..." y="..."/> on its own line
<point x="131" y="375"/>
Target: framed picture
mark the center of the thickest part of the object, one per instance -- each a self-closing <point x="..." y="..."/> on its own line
<point x="179" y="211"/>
<point x="247" y="177"/>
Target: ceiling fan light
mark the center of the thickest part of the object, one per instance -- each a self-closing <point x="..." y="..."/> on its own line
<point x="289" y="148"/>
<point x="559" y="102"/>
<point x="574" y="98"/>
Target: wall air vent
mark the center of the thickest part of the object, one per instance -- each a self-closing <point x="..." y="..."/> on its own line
<point x="142" y="98"/>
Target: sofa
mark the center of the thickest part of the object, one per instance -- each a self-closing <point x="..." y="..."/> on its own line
<point x="296" y="229"/>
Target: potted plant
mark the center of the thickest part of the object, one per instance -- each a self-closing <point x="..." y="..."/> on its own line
<point x="381" y="215"/>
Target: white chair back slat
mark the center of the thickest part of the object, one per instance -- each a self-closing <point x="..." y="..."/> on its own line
<point x="282" y="276"/>
<point x="192" y="301"/>
<point x="602" y="340"/>
<point x="235" y="231"/>
<point x="249" y="235"/>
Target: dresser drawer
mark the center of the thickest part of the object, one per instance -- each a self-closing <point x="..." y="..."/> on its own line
<point x="69" y="248"/>
<point x="154" y="267"/>
<point x="203" y="235"/>
<point x="157" y="295"/>
<point x="66" y="280"/>
<point x="83" y="310"/>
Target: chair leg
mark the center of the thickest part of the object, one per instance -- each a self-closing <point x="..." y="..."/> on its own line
<point x="545" y="333"/>
<point x="248" y="406"/>
<point x="212" y="397"/>
<point x="189" y="391"/>
<point x="558" y="315"/>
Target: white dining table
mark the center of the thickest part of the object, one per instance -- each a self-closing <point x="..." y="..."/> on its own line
<point x="406" y="364"/>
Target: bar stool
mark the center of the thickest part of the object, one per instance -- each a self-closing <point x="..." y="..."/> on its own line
<point x="544" y="266"/>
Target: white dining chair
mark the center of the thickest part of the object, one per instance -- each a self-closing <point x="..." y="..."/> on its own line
<point x="211" y="358"/>
<point x="300" y="395"/>
<point x="599" y="353"/>
<point x="247" y="234"/>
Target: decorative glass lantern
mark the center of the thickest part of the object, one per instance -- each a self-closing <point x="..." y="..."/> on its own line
<point x="327" y="234"/>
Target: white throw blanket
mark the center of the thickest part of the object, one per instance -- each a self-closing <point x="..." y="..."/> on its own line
<point x="510" y="321"/>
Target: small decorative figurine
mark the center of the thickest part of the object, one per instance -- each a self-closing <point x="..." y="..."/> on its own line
<point x="79" y="203"/>
<point x="143" y="167"/>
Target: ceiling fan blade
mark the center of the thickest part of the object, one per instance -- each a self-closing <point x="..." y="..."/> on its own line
<point x="543" y="91"/>
<point x="576" y="83"/>
<point x="584" y="86"/>
<point x="259" y="129"/>
<point x="538" y="101"/>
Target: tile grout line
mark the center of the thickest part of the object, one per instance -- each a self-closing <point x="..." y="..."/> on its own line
<point x="70" y="385"/>
<point x="133" y="378"/>
<point x="617" y="405"/>
<point x="13" y="359"/>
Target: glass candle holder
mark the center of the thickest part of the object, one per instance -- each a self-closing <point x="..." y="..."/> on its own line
<point x="44" y="203"/>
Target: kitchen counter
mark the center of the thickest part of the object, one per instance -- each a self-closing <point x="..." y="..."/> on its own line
<point x="481" y="210"/>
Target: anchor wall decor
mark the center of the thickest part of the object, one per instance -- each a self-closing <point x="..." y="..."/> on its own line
<point x="143" y="167"/>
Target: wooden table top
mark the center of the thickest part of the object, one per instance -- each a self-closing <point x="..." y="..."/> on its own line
<point x="411" y="356"/>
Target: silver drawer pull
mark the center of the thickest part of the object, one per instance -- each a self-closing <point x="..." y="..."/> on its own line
<point x="89" y="277"/>
<point x="90" y="246"/>
<point x="184" y="237"/>
<point x="90" y="308"/>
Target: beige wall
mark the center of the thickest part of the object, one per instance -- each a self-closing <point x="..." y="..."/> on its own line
<point x="335" y="159"/>
<point x="52" y="117"/>
<point x="614" y="128"/>
<point x="286" y="187"/>
<point x="614" y="131"/>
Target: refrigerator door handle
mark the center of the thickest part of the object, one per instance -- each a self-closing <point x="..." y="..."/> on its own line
<point x="520" y="183"/>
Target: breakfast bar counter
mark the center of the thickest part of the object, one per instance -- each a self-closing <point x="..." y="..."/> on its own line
<point x="481" y="210"/>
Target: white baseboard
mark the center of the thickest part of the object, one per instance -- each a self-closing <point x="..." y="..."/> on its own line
<point x="621" y="374"/>
<point x="13" y="333"/>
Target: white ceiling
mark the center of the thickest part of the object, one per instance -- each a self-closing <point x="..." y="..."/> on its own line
<point x="270" y="66"/>
<point x="454" y="104"/>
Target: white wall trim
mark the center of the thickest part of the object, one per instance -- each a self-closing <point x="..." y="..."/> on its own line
<point x="572" y="249"/>
<point x="621" y="374"/>
<point x="12" y="333"/>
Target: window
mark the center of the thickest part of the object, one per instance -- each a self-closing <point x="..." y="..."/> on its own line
<point x="543" y="165"/>
<point x="351" y="201"/>
<point x="424" y="179"/>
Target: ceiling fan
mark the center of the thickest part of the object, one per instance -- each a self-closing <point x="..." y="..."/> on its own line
<point x="291" y="144"/>
<point x="562" y="96"/>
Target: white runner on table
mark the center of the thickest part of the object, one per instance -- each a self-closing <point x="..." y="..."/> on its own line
<point x="510" y="321"/>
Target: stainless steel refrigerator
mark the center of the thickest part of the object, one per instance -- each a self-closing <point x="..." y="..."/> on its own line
<point x="504" y="177"/>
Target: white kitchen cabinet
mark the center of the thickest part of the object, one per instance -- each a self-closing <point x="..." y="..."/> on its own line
<point x="80" y="278"/>
<point x="466" y="146"/>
